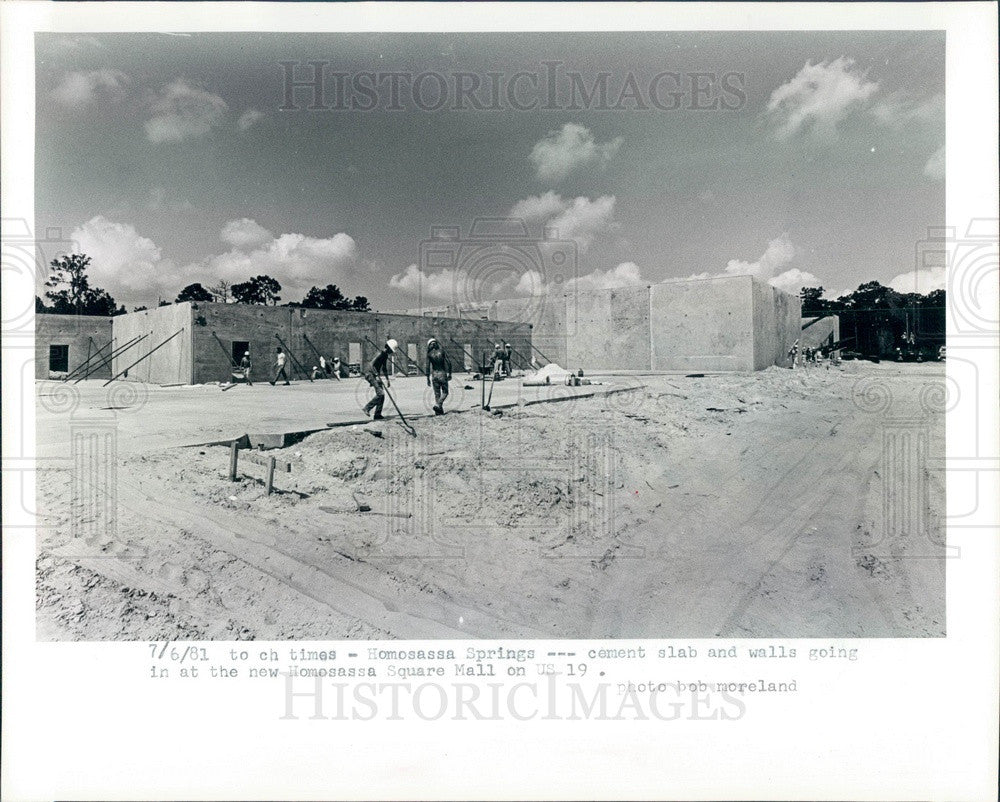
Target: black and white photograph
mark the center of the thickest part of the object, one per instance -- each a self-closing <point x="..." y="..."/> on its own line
<point x="410" y="400"/>
<point x="386" y="336"/>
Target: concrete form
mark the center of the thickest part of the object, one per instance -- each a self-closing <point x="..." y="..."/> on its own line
<point x="731" y="323"/>
<point x="63" y="343"/>
<point x="820" y="331"/>
<point x="215" y="335"/>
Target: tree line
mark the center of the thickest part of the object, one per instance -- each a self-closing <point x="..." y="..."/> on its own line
<point x="876" y="320"/>
<point x="71" y="293"/>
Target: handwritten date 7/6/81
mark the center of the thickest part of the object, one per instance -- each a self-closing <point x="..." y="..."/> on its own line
<point x="178" y="653"/>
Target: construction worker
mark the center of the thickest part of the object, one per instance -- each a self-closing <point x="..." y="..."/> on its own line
<point x="508" y="353"/>
<point x="793" y="353"/>
<point x="497" y="359"/>
<point x="279" y="367"/>
<point x="246" y="366"/>
<point x="438" y="373"/>
<point x="336" y="367"/>
<point x="377" y="369"/>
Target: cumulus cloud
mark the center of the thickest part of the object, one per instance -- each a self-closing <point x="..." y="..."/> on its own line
<point x="85" y="88"/>
<point x="538" y="207"/>
<point x="924" y="280"/>
<point x="249" y="118"/>
<point x="245" y="233"/>
<point x="568" y="149"/>
<point x="297" y="261"/>
<point x="580" y="219"/>
<point x="793" y="280"/>
<point x="439" y="285"/>
<point x="121" y="258"/>
<point x="181" y="111"/>
<point x="771" y="266"/>
<point x="626" y="274"/>
<point x="818" y="98"/>
<point x="780" y="251"/>
<point x="132" y="267"/>
<point x="934" y="169"/>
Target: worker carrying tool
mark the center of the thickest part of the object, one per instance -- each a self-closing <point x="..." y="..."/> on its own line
<point x="377" y="369"/>
<point x="438" y="373"/>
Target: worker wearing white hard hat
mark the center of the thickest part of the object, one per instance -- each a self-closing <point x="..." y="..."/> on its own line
<point x="378" y="371"/>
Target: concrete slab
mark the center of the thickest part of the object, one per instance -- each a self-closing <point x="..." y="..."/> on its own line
<point x="138" y="418"/>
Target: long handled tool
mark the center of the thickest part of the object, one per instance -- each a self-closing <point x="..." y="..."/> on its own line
<point x="406" y="425"/>
<point x="493" y="381"/>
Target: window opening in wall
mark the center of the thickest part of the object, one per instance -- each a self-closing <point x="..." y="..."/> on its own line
<point x="354" y="359"/>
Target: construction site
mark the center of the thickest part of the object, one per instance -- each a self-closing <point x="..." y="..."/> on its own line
<point x="652" y="461"/>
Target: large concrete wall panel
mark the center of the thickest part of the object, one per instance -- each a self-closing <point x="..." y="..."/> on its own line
<point x="588" y="330"/>
<point x="169" y="364"/>
<point x="83" y="335"/>
<point x="777" y="324"/>
<point x="701" y="325"/>
<point x="629" y="345"/>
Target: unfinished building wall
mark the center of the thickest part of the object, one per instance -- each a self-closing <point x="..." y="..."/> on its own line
<point x="223" y="331"/>
<point x="63" y="343"/>
<point x="820" y="331"/>
<point x="704" y="324"/>
<point x="776" y="325"/>
<point x="547" y="315"/>
<point x="169" y="363"/>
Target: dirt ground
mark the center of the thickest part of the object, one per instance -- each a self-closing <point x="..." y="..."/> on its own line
<point x="779" y="503"/>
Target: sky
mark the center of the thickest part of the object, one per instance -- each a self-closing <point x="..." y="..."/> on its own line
<point x="804" y="158"/>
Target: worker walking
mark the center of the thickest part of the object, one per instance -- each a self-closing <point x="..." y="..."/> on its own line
<point x="279" y="367"/>
<point x="246" y="366"/>
<point x="497" y="359"/>
<point x="438" y="373"/>
<point x="377" y="369"/>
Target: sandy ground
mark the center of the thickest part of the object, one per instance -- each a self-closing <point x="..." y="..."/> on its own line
<point x="753" y="505"/>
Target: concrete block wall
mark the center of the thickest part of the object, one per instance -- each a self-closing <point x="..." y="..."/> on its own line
<point x="169" y="364"/>
<point x="82" y="334"/>
<point x="204" y="353"/>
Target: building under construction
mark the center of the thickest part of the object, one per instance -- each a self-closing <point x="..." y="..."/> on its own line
<point x="197" y="343"/>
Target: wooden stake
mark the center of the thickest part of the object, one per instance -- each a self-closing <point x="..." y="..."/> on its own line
<point x="233" y="457"/>
<point x="270" y="475"/>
